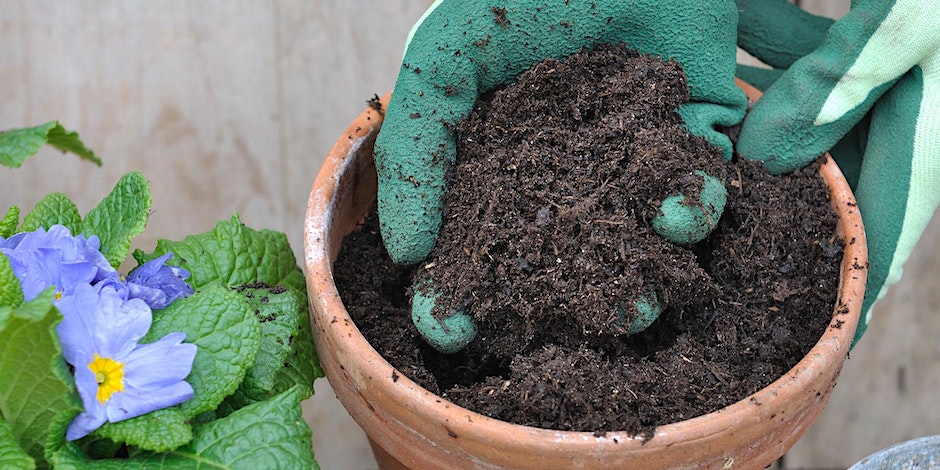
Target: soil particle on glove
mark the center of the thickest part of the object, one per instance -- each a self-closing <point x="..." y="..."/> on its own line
<point x="547" y="231"/>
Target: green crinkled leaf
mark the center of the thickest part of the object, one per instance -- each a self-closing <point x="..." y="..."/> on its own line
<point x="276" y="312"/>
<point x="222" y="326"/>
<point x="19" y="144"/>
<point x="120" y="216"/>
<point x="11" y="454"/>
<point x="233" y="254"/>
<point x="157" y="431"/>
<point x="71" y="457"/>
<point x="268" y="434"/>
<point x="11" y="292"/>
<point x="55" y="208"/>
<point x="281" y="363"/>
<point x="10" y="221"/>
<point x="36" y="389"/>
<point x="302" y="365"/>
<point x="68" y="141"/>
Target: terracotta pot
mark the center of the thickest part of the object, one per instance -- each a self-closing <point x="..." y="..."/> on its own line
<point x="411" y="427"/>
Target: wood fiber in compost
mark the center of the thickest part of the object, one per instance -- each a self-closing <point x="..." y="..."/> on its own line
<point x="547" y="230"/>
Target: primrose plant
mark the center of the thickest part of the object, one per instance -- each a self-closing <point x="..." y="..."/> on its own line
<point x="199" y="356"/>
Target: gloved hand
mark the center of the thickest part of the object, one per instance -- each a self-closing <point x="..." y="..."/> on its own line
<point x="461" y="49"/>
<point x="867" y="89"/>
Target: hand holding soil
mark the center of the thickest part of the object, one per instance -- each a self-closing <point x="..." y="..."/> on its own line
<point x="547" y="232"/>
<point x="463" y="49"/>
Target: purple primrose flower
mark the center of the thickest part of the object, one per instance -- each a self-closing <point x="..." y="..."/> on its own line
<point x="118" y="378"/>
<point x="55" y="258"/>
<point x="158" y="284"/>
<point x="103" y="319"/>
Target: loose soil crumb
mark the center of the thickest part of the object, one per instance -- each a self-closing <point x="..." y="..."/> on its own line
<point x="547" y="231"/>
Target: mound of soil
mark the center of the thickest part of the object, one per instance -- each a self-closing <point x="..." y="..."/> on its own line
<point x="547" y="233"/>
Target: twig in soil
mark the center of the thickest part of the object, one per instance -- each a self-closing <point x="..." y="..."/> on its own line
<point x="750" y="239"/>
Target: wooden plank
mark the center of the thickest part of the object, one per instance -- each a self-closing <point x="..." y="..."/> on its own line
<point x="184" y="92"/>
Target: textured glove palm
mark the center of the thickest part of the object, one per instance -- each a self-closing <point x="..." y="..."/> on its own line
<point x="866" y="88"/>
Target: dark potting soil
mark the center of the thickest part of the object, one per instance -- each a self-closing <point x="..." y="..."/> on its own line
<point x="547" y="231"/>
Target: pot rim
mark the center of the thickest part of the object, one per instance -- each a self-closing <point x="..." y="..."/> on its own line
<point x="833" y="345"/>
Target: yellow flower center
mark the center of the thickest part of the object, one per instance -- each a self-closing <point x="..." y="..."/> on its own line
<point x="110" y="377"/>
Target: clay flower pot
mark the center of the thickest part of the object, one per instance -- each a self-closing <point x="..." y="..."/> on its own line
<point x="410" y="427"/>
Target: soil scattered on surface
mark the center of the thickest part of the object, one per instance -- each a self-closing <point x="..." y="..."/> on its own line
<point x="547" y="231"/>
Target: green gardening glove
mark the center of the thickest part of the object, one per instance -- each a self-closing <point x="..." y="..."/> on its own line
<point x="867" y="89"/>
<point x="461" y="49"/>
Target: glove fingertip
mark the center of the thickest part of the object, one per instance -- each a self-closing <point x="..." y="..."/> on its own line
<point x="686" y="223"/>
<point x="407" y="247"/>
<point x="647" y="311"/>
<point x="447" y="335"/>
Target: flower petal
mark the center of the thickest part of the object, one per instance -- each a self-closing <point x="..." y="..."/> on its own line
<point x="159" y="364"/>
<point x="95" y="414"/>
<point x="33" y="276"/>
<point x="119" y="324"/>
<point x="87" y="385"/>
<point x="55" y="257"/>
<point x="133" y="402"/>
<point x="76" y="273"/>
<point x="149" y="268"/>
<point x="84" y="424"/>
<point x="154" y="297"/>
<point x="13" y="241"/>
<point x="92" y="254"/>
<point x="168" y="280"/>
<point x="153" y="378"/>
<point x="77" y="329"/>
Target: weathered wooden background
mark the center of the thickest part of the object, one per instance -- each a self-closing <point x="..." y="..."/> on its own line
<point x="230" y="106"/>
